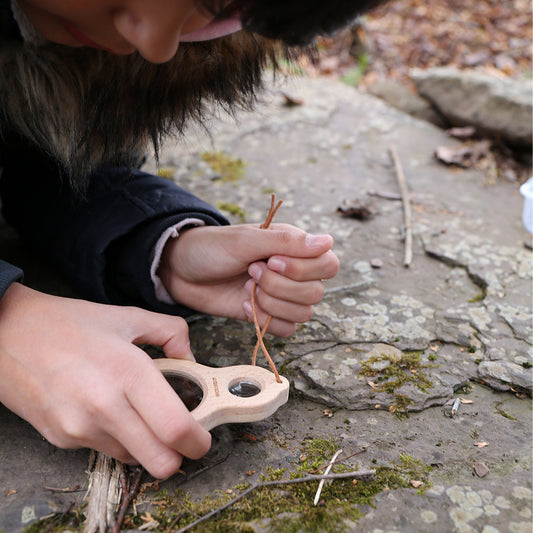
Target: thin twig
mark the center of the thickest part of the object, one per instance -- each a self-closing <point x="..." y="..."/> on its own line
<point x="203" y="469"/>
<point x="75" y="488"/>
<point x="322" y="481"/>
<point x="261" y="342"/>
<point x="258" y="344"/>
<point x="408" y="248"/>
<point x="363" y="474"/>
<point x="260" y="334"/>
<point x="127" y="497"/>
<point x="337" y="461"/>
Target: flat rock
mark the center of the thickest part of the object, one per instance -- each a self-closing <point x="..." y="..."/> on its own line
<point x="499" y="107"/>
<point x="456" y="323"/>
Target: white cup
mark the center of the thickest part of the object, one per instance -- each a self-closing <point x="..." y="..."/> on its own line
<point x="526" y="190"/>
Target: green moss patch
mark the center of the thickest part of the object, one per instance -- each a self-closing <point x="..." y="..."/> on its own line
<point x="393" y="369"/>
<point x="288" y="508"/>
<point x="229" y="168"/>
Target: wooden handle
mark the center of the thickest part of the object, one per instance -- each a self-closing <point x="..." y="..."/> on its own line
<point x="219" y="405"/>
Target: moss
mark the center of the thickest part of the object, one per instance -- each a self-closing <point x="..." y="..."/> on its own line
<point x="499" y="410"/>
<point x="479" y="297"/>
<point x="393" y="372"/>
<point x="166" y="172"/>
<point x="71" y="520"/>
<point x="527" y="364"/>
<point x="232" y="209"/>
<point x="230" y="169"/>
<point x="288" y="508"/>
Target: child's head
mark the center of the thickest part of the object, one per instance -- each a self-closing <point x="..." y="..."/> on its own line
<point x="154" y="28"/>
<point x="96" y="101"/>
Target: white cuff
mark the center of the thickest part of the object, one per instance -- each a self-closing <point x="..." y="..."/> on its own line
<point x="161" y="292"/>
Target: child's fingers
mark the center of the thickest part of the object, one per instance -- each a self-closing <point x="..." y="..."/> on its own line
<point x="280" y="308"/>
<point x="324" y="266"/>
<point x="277" y="326"/>
<point x="164" y="413"/>
<point x="169" y="332"/>
<point x="282" y="289"/>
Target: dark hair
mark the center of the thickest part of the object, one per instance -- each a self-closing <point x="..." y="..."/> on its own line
<point x="296" y="22"/>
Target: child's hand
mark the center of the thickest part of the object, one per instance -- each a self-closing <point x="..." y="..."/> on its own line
<point x="212" y="269"/>
<point x="72" y="370"/>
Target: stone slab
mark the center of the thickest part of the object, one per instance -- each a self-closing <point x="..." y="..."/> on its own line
<point x="462" y="311"/>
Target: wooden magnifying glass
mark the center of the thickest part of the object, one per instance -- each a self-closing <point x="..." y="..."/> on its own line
<point x="241" y="393"/>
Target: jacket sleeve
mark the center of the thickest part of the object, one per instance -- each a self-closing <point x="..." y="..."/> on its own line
<point x="8" y="274"/>
<point x="101" y="240"/>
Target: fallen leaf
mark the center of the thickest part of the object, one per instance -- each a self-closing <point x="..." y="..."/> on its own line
<point x="291" y="101"/>
<point x="229" y="491"/>
<point x="373" y="384"/>
<point x="327" y="412"/>
<point x="360" y="208"/>
<point x="147" y="517"/>
<point x="9" y="492"/>
<point x="481" y="444"/>
<point x="462" y="133"/>
<point x="392" y="408"/>
<point x="463" y="400"/>
<point x="416" y="483"/>
<point x="247" y="437"/>
<point x="481" y="469"/>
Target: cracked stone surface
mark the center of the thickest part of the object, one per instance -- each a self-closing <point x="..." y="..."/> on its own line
<point x="457" y="323"/>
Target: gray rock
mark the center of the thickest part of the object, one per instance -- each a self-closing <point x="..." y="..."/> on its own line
<point x="498" y="107"/>
<point x="401" y="97"/>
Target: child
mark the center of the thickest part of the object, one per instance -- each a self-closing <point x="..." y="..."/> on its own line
<point x="85" y="85"/>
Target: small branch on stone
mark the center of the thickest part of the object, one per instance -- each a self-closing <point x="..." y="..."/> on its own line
<point x="260" y="334"/>
<point x="127" y="498"/>
<point x="408" y="248"/>
<point x="363" y="474"/>
<point x="332" y="462"/>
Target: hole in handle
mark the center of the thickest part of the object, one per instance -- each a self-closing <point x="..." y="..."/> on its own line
<point x="244" y="389"/>
<point x="190" y="393"/>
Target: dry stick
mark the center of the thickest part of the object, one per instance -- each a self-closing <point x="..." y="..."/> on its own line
<point x="363" y="474"/>
<point x="260" y="334"/>
<point x="337" y="461"/>
<point x="408" y="250"/>
<point x="127" y="499"/>
<point x="322" y="481"/>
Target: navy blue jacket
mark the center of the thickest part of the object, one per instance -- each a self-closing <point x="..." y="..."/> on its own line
<point x="101" y="241"/>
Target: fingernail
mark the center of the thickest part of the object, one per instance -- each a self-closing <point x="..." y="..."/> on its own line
<point x="188" y="354"/>
<point x="255" y="271"/>
<point x="247" y="306"/>
<point x="317" y="241"/>
<point x="277" y="265"/>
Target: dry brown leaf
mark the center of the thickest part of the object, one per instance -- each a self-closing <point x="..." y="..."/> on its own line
<point x="481" y="444"/>
<point x="9" y="492"/>
<point x="464" y="400"/>
<point x="416" y="483"/>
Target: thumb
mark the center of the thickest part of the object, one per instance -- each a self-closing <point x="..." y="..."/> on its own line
<point x="169" y="332"/>
<point x="284" y="239"/>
